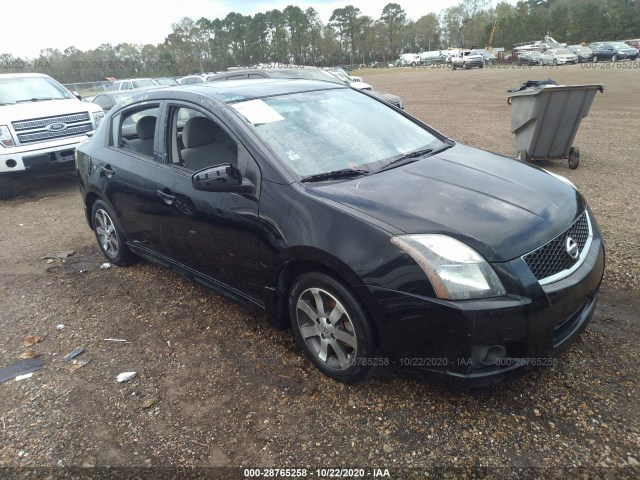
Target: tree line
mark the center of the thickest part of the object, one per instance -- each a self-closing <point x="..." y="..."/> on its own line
<point x="293" y="35"/>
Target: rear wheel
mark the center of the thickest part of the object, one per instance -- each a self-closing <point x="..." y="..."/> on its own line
<point x="7" y="187"/>
<point x="110" y="237"/>
<point x="331" y="327"/>
<point x="574" y="158"/>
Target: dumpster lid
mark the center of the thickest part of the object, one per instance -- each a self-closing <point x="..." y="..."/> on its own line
<point x="547" y="88"/>
<point x="530" y="84"/>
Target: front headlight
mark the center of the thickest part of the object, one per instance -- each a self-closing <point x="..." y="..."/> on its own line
<point x="97" y="118"/>
<point x="456" y="271"/>
<point x="5" y="137"/>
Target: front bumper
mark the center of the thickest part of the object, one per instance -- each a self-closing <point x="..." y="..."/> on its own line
<point x="46" y="155"/>
<point x="458" y="340"/>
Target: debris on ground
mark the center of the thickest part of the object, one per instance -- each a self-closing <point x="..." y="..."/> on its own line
<point x="121" y="340"/>
<point x="148" y="403"/>
<point x="31" y="340"/>
<point x="21" y="368"/>
<point x="105" y="265"/>
<point x="24" y="377"/>
<point x="58" y="256"/>
<point x="73" y="354"/>
<point x="125" y="376"/>
<point x="60" y="327"/>
<point x="28" y="354"/>
<point x="78" y="364"/>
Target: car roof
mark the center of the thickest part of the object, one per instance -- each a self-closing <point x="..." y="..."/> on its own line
<point x="240" y="90"/>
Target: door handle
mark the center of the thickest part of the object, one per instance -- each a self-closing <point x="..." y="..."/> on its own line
<point x="166" y="197"/>
<point x="106" y="169"/>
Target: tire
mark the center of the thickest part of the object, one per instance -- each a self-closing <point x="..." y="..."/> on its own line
<point x="595" y="59"/>
<point x="7" y="187"/>
<point x="454" y="67"/>
<point x="109" y="235"/>
<point x="522" y="155"/>
<point x="574" y="158"/>
<point x="555" y="62"/>
<point x="614" y="57"/>
<point x="331" y="327"/>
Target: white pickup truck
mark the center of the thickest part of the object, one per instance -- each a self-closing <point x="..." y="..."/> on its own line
<point x="41" y="122"/>
<point x="465" y="59"/>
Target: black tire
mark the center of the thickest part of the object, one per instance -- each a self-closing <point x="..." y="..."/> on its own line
<point x="109" y="235"/>
<point x="343" y="336"/>
<point x="555" y="62"/>
<point x="614" y="57"/>
<point x="574" y="158"/>
<point x="7" y="187"/>
<point x="595" y="59"/>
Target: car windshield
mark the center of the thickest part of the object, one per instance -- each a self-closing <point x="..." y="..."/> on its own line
<point x="31" y="89"/>
<point x="563" y="51"/>
<point x="333" y="130"/>
<point x="166" y="81"/>
<point x="622" y="45"/>
<point x="143" y="83"/>
<point x="584" y="50"/>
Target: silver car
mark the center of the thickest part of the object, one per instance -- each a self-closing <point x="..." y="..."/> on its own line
<point x="558" y="56"/>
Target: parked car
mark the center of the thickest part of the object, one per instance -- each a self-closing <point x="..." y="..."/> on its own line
<point x="558" y="56"/>
<point x="322" y="207"/>
<point x="166" y="81"/>
<point x="108" y="100"/>
<point x="41" y="122"/>
<point x="192" y="79"/>
<point x="303" y="72"/>
<point x="585" y="54"/>
<point x="529" y="57"/>
<point x="465" y="59"/>
<point x="613" y="51"/>
<point x="132" y="84"/>
<point x="353" y="82"/>
<point x="488" y="57"/>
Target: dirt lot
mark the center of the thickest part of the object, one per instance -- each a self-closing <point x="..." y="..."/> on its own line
<point x="216" y="386"/>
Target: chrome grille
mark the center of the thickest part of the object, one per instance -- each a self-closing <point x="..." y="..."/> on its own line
<point x="46" y="135"/>
<point x="43" y="122"/>
<point x="38" y="130"/>
<point x="552" y="258"/>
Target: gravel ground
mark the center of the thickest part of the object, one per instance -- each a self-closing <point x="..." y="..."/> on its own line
<point x="216" y="386"/>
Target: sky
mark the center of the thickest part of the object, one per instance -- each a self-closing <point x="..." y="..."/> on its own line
<point x="143" y="21"/>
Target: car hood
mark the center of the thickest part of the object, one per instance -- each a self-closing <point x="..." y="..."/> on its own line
<point x="501" y="207"/>
<point x="44" y="108"/>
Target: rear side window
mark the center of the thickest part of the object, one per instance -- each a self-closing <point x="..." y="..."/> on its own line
<point x="134" y="130"/>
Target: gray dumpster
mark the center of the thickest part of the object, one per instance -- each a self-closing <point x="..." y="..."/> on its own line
<point x="545" y="120"/>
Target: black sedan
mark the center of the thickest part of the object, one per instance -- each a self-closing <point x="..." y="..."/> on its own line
<point x="613" y="51"/>
<point x="381" y="242"/>
<point x="530" y="58"/>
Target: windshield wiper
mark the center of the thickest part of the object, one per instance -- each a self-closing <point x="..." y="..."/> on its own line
<point x="413" y="156"/>
<point x="34" y="99"/>
<point x="344" y="173"/>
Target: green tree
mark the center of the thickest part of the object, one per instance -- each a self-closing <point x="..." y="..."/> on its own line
<point x="346" y="21"/>
<point x="393" y="18"/>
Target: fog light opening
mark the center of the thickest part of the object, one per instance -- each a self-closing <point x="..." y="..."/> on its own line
<point x="11" y="163"/>
<point x="490" y="355"/>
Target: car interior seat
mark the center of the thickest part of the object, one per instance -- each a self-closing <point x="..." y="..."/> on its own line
<point x="202" y="146"/>
<point x="145" y="129"/>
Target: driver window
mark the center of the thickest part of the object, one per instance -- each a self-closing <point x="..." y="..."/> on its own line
<point x="196" y="141"/>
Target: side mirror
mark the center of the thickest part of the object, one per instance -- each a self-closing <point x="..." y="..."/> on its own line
<point x="77" y="95"/>
<point x="221" y="178"/>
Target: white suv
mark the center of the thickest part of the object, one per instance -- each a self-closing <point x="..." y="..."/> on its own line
<point x="41" y="123"/>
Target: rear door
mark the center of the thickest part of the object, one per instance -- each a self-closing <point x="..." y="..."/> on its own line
<point x="128" y="175"/>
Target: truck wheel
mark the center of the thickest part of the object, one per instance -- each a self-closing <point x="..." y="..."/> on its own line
<point x="7" y="187"/>
<point x="454" y="66"/>
<point x="574" y="158"/>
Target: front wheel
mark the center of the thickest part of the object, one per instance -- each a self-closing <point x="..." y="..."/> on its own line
<point x="595" y="59"/>
<point x="555" y="62"/>
<point x="332" y="328"/>
<point x="110" y="238"/>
